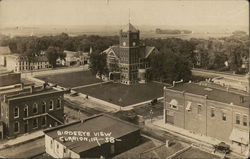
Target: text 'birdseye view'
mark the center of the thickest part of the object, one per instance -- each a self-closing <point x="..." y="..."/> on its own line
<point x="124" y="79"/>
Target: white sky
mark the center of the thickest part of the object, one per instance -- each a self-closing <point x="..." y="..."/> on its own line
<point x="143" y="12"/>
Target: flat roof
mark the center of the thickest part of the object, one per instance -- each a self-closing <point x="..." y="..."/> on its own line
<point x="97" y="123"/>
<point x="195" y="153"/>
<point x="216" y="94"/>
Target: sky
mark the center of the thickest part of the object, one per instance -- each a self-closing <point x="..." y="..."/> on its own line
<point x="116" y="12"/>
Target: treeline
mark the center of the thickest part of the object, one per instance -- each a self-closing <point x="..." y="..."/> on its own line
<point x="223" y="54"/>
<point x="53" y="46"/>
<point x="169" y="31"/>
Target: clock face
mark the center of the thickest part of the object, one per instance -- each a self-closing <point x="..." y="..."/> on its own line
<point x="134" y="43"/>
<point x="124" y="43"/>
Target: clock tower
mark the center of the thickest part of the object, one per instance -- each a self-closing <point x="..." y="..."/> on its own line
<point x="129" y="47"/>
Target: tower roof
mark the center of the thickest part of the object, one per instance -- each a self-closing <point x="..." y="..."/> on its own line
<point x="129" y="28"/>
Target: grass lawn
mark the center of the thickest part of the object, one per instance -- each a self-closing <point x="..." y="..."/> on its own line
<point x="124" y="95"/>
<point x="71" y="79"/>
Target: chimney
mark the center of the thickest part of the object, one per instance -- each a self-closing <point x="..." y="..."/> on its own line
<point x="31" y="89"/>
<point x="4" y="98"/>
<point x="22" y="86"/>
<point x="173" y="83"/>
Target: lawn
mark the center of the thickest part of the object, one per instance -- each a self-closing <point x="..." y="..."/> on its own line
<point x="71" y="79"/>
<point x="124" y="95"/>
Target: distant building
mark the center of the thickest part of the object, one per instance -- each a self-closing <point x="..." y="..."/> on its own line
<point x="130" y="59"/>
<point x="80" y="139"/>
<point x="213" y="112"/>
<point x="74" y="58"/>
<point x="4" y="51"/>
<point x="29" y="108"/>
<point x="19" y="63"/>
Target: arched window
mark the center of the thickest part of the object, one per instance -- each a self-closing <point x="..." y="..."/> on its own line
<point x="51" y="105"/>
<point x="59" y="102"/>
<point x="35" y="108"/>
<point x="43" y="107"/>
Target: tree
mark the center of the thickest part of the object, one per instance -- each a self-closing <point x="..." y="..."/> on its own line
<point x="169" y="66"/>
<point x="98" y="63"/>
<point x="53" y="53"/>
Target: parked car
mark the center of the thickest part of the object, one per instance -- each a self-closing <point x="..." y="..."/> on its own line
<point x="222" y="147"/>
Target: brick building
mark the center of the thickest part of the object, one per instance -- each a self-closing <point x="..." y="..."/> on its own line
<point x="130" y="59"/>
<point x="29" y="108"/>
<point x="217" y="113"/>
<point x="87" y="139"/>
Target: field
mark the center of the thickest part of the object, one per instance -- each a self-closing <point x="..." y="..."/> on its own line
<point x="71" y="79"/>
<point x="124" y="95"/>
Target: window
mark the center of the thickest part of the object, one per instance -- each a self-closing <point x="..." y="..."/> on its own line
<point x="16" y="126"/>
<point x="237" y="118"/>
<point x="244" y="120"/>
<point x="25" y="110"/>
<point x="212" y="112"/>
<point x="173" y="104"/>
<point x="51" y="144"/>
<point x="224" y="117"/>
<point x="16" y="112"/>
<point x="59" y="102"/>
<point x="199" y="109"/>
<point x="35" y="122"/>
<point x="57" y="147"/>
<point x="43" y="121"/>
<point x="35" y="108"/>
<point x="43" y="107"/>
<point x="51" y="104"/>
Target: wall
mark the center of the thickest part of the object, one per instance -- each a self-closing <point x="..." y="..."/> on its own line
<point x="29" y="101"/>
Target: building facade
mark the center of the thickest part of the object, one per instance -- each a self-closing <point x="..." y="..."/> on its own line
<point x="209" y="111"/>
<point x="9" y="78"/>
<point x="59" y="142"/>
<point x="27" y="109"/>
<point x="4" y="51"/>
<point x="19" y="63"/>
<point x="130" y="59"/>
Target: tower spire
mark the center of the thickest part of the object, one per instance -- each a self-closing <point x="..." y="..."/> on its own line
<point x="129" y="16"/>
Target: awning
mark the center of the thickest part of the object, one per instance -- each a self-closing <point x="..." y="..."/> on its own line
<point x="188" y="106"/>
<point x="239" y="136"/>
<point x="173" y="102"/>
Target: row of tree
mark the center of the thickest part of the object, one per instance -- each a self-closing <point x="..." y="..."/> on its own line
<point x="53" y="46"/>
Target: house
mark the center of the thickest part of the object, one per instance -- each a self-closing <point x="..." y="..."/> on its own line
<point x="74" y="58"/>
<point x="4" y="50"/>
<point x="213" y="112"/>
<point x="19" y="63"/>
<point x="130" y="59"/>
<point x="27" y="108"/>
<point x="94" y="137"/>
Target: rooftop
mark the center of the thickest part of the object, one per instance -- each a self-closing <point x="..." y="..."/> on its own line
<point x="19" y="93"/>
<point x="98" y="123"/>
<point x="129" y="28"/>
<point x="4" y="50"/>
<point x="216" y="94"/>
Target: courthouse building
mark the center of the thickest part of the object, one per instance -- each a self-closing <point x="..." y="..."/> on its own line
<point x="218" y="113"/>
<point x="128" y="62"/>
<point x="27" y="108"/>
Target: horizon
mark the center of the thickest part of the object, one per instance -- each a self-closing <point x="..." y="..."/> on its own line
<point x="70" y="13"/>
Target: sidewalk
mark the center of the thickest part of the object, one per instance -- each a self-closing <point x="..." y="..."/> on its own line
<point x="21" y="139"/>
<point x="200" y="140"/>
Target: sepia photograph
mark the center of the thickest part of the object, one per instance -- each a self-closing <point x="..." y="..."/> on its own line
<point x="124" y="79"/>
